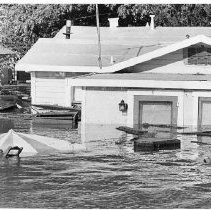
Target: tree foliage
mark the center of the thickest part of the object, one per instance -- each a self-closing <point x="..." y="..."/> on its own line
<point x="22" y="24"/>
<point x="166" y="14"/>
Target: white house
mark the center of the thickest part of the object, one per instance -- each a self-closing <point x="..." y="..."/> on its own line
<point x="54" y="63"/>
<point x="170" y="85"/>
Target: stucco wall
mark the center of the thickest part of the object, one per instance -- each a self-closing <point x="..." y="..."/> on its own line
<point x="100" y="113"/>
<point x="102" y="106"/>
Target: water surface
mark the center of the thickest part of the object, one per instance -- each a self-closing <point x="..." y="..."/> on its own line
<point x="105" y="176"/>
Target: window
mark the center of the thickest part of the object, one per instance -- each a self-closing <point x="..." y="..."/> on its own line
<point x="199" y="55"/>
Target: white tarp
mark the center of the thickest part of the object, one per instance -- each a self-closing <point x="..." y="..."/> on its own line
<point x="33" y="144"/>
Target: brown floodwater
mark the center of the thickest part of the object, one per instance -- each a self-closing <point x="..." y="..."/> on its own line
<point x="106" y="175"/>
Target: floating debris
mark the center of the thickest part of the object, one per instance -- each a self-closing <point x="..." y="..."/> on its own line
<point x="156" y="144"/>
<point x="130" y="130"/>
<point x="147" y="125"/>
<point x="199" y="133"/>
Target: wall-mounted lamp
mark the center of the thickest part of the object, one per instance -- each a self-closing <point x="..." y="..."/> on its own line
<point x="123" y="106"/>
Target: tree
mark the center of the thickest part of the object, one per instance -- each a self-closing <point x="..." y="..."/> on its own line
<point x="22" y="25"/>
<point x="165" y="14"/>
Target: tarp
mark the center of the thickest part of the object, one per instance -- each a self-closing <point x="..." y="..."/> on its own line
<point x="34" y="144"/>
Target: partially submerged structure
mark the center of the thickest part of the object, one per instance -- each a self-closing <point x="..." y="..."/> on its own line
<point x="54" y="62"/>
<point x="170" y="85"/>
<point x="150" y="75"/>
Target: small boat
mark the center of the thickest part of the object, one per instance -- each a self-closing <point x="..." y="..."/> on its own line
<point x="58" y="118"/>
<point x="57" y="115"/>
<point x="56" y="112"/>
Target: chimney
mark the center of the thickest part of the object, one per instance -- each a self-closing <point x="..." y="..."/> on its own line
<point x="113" y="22"/>
<point x="68" y="29"/>
<point x="152" y="24"/>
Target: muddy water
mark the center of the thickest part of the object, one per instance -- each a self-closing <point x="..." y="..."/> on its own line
<point x="105" y="176"/>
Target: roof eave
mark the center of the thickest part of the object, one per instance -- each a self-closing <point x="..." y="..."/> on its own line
<point x="51" y="68"/>
<point x="145" y="84"/>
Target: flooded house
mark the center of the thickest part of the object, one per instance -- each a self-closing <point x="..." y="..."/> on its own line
<point x="154" y="75"/>
<point x="168" y="81"/>
<point x="52" y="62"/>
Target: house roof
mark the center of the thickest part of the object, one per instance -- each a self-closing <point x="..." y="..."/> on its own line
<point x="159" y="52"/>
<point x="141" y="35"/>
<point x="145" y="80"/>
<point x="55" y="54"/>
<point x="124" y="45"/>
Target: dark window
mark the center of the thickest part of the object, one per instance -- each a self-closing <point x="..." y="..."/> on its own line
<point x="199" y="55"/>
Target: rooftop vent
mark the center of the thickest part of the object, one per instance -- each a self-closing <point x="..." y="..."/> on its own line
<point x="113" y="22"/>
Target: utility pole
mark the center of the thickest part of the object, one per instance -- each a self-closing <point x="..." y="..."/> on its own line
<point x="98" y="35"/>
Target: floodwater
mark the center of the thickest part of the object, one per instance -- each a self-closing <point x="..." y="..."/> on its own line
<point x="105" y="176"/>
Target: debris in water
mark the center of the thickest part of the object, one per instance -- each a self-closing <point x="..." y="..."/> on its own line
<point x="130" y="130"/>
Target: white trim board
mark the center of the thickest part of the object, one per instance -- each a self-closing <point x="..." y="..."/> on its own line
<point x="154" y="84"/>
<point x="51" y="68"/>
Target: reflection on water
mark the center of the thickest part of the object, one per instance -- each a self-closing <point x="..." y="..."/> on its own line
<point x="105" y="176"/>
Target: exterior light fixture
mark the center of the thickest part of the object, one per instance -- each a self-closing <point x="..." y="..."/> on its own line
<point x="123" y="106"/>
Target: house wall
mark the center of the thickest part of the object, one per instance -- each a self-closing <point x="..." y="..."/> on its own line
<point x="54" y="88"/>
<point x="47" y="90"/>
<point x="175" y="62"/>
<point x="102" y="106"/>
<point x="101" y="115"/>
